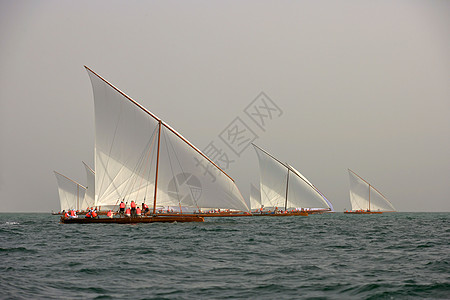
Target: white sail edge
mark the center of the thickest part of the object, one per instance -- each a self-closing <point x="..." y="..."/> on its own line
<point x="159" y="120"/>
<point x="385" y="199"/>
<point x="271" y="156"/>
<point x="82" y="186"/>
<point x="359" y="176"/>
<point x="87" y="166"/>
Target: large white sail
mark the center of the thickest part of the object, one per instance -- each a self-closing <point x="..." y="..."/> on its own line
<point x="71" y="193"/>
<point x="136" y="152"/>
<point x="283" y="186"/>
<point x="89" y="195"/>
<point x="364" y="196"/>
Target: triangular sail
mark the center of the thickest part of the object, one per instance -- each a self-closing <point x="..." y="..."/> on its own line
<point x="280" y="181"/>
<point x="89" y="196"/>
<point x="127" y="142"/>
<point x="364" y="196"/>
<point x="302" y="193"/>
<point x="273" y="180"/>
<point x="71" y="193"/>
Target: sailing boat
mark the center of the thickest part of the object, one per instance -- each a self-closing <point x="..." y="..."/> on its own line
<point x="365" y="199"/>
<point x="282" y="186"/>
<point x="71" y="193"/>
<point x="138" y="156"/>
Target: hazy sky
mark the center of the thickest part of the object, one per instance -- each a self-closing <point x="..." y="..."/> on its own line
<point x="363" y="85"/>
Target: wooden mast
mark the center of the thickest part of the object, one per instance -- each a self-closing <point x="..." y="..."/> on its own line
<point x="287" y="185"/>
<point x="369" y="196"/>
<point x="157" y="165"/>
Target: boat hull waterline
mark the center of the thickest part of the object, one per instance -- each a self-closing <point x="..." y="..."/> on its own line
<point x="363" y="212"/>
<point x="127" y="220"/>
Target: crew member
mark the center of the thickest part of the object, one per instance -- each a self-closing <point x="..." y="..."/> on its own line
<point x="122" y="208"/>
<point x="128" y="212"/>
<point x="133" y="209"/>
<point x="145" y="208"/>
<point x="138" y="211"/>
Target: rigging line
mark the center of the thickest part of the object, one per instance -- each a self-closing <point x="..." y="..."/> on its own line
<point x="287" y="187"/>
<point x="175" y="177"/>
<point x="149" y="172"/>
<point x="171" y="168"/>
<point x="90" y="169"/>
<point x="157" y="168"/>
<point x="69" y="179"/>
<point x="127" y="190"/>
<point x="146" y="164"/>
<point x="130" y="183"/>
<point x="136" y="170"/>
<point x="182" y="170"/>
<point x="100" y="186"/>
<point x="158" y="119"/>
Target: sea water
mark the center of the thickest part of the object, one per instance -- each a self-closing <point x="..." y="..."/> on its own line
<point x="329" y="256"/>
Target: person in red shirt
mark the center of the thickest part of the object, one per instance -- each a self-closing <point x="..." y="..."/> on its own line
<point x="122" y="208"/>
<point x="133" y="209"/>
<point x="138" y="211"/>
<point x="128" y="212"/>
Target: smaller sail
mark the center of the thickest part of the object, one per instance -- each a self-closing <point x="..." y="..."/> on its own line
<point x="306" y="193"/>
<point x="364" y="196"/>
<point x="89" y="195"/>
<point x="379" y="202"/>
<point x="255" y="198"/>
<point x="71" y="193"/>
<point x="273" y="179"/>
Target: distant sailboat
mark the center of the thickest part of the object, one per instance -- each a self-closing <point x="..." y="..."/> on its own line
<point x="365" y="199"/>
<point x="71" y="193"/>
<point x="283" y="187"/>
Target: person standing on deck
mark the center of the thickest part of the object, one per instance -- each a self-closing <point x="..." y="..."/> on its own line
<point x="122" y="208"/>
<point x="138" y="211"/>
<point x="133" y="209"/>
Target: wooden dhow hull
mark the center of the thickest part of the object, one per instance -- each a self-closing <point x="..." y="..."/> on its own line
<point x="363" y="212"/>
<point x="127" y="220"/>
<point x="272" y="214"/>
